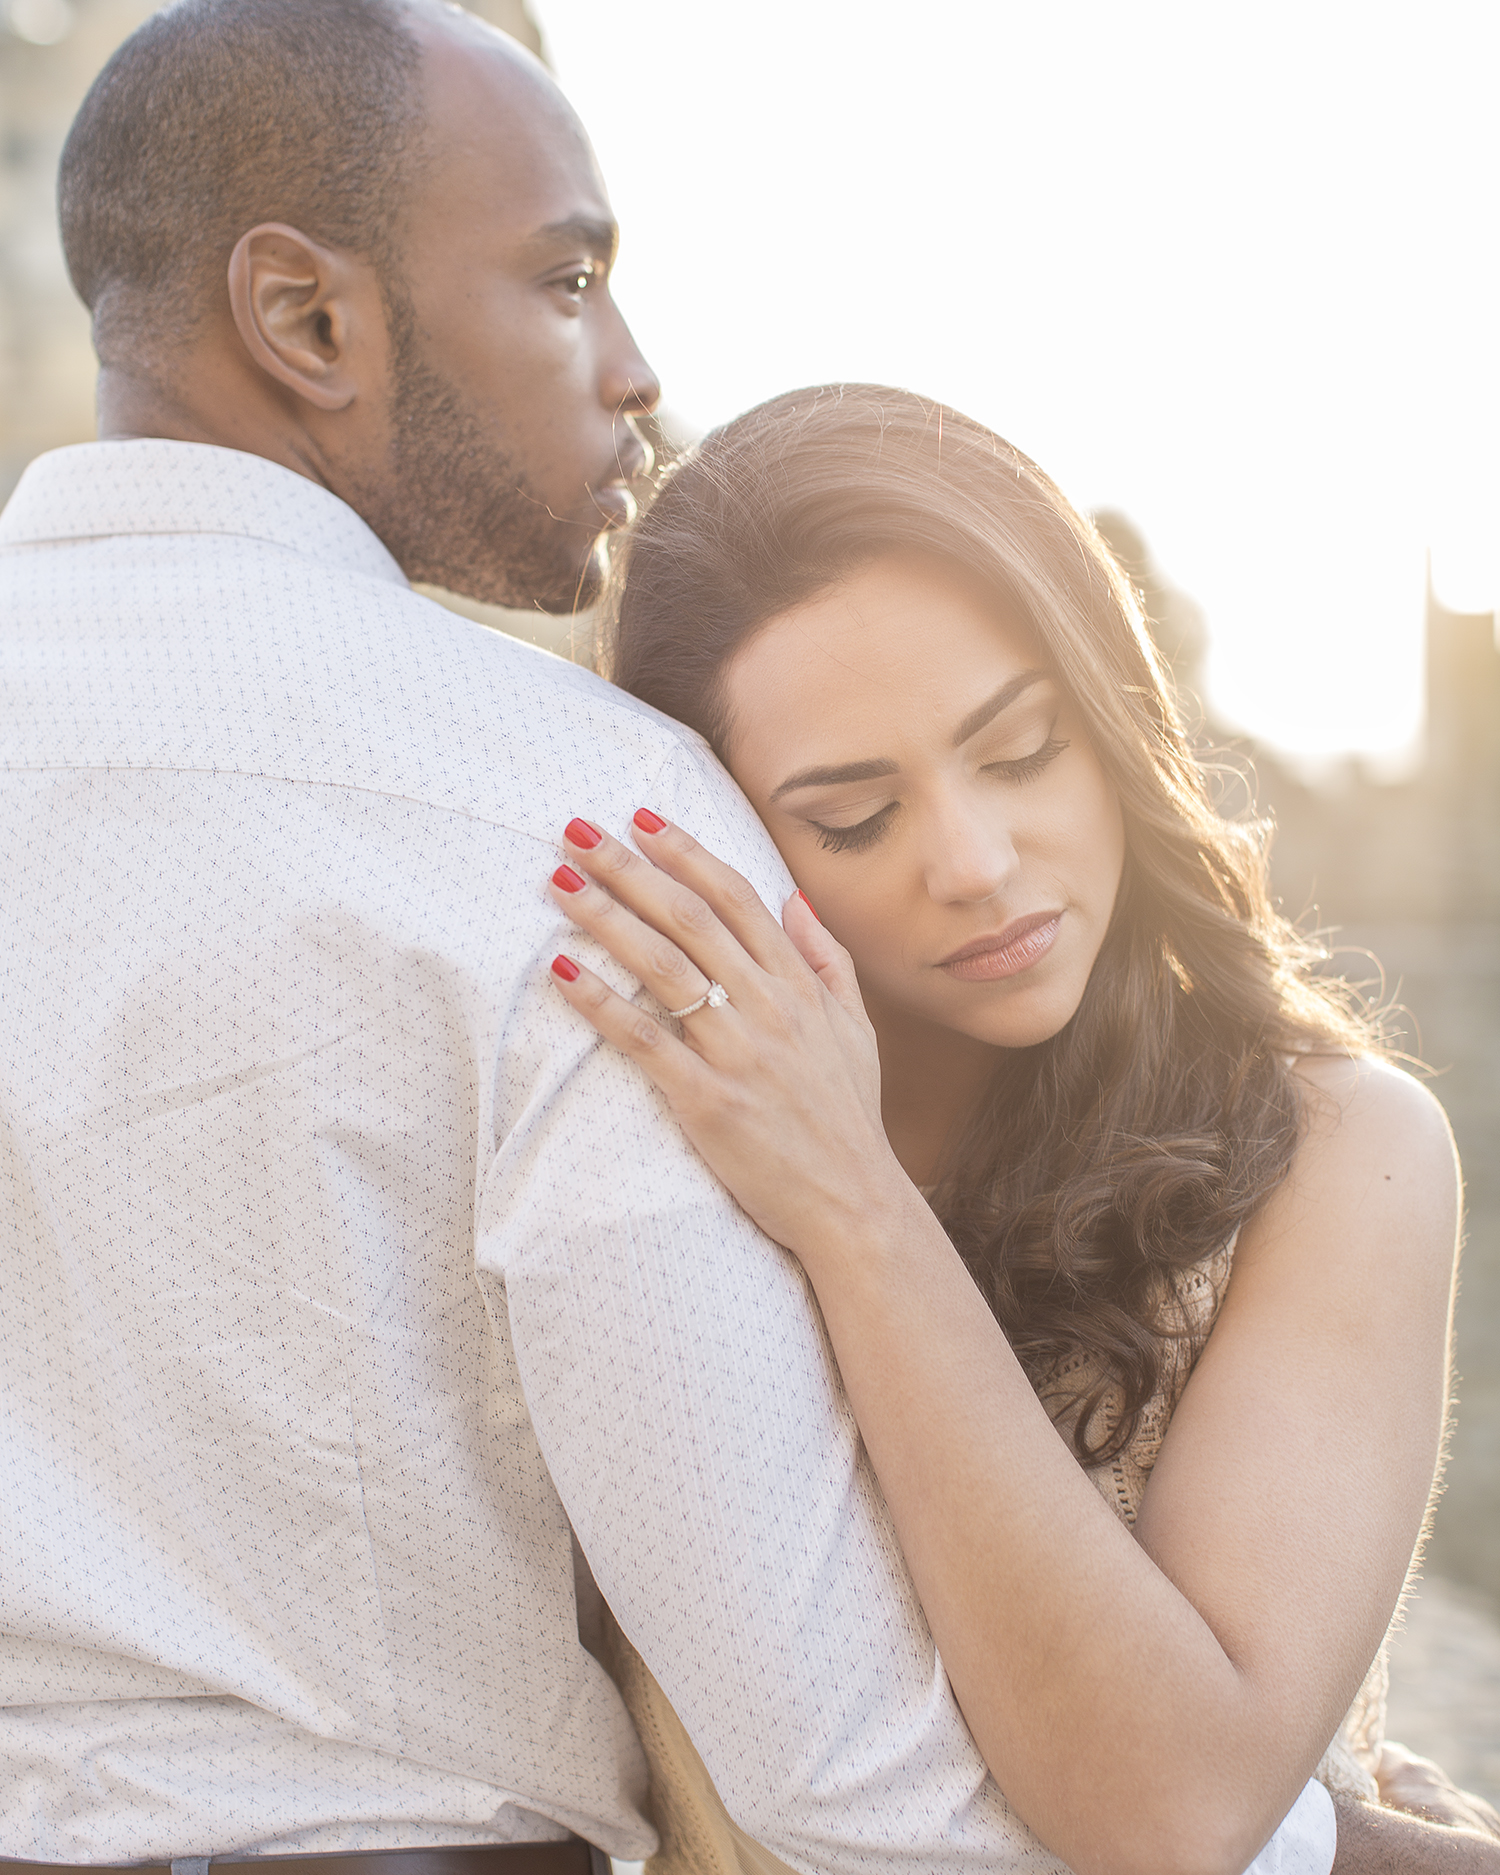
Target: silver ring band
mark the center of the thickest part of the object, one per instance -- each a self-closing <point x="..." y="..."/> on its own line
<point x="714" y="997"/>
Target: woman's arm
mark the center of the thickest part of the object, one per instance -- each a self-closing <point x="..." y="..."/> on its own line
<point x="1152" y="1702"/>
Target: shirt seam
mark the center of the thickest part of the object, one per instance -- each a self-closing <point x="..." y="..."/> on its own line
<point x="179" y="532"/>
<point x="292" y="781"/>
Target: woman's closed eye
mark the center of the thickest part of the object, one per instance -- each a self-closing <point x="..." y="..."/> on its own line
<point x="862" y="834"/>
<point x="1024" y="767"/>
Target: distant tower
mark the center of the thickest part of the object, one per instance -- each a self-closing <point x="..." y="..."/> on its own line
<point x="1463" y="696"/>
<point x="1463" y="753"/>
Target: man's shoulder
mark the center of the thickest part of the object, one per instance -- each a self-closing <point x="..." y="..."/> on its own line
<point x="534" y="739"/>
<point x="235" y="653"/>
<point x="508" y="723"/>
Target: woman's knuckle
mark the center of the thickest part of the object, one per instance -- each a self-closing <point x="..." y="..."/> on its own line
<point x="739" y="892"/>
<point x="665" y="960"/>
<point x="643" y="1034"/>
<point x="692" y="913"/>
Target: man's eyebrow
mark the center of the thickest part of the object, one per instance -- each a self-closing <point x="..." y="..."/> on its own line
<point x="598" y="239"/>
<point x="827" y="777"/>
<point x="992" y="706"/>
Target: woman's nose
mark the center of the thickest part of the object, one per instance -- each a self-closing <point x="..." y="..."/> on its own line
<point x="971" y="857"/>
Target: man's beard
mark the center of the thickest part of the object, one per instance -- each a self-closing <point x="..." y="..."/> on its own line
<point x="455" y="510"/>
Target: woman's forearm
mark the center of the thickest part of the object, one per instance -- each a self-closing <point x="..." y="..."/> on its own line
<point x="1106" y="1708"/>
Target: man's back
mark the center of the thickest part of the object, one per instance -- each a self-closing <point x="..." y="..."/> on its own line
<point x="274" y="949"/>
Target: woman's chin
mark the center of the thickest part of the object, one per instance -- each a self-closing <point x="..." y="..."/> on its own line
<point x="1016" y="1021"/>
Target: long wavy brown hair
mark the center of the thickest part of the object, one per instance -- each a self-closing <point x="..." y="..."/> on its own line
<point x="1106" y="1162"/>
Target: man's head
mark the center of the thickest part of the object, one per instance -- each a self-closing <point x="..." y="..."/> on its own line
<point x="368" y="239"/>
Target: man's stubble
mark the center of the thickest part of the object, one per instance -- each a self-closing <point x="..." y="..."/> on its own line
<point x="454" y="508"/>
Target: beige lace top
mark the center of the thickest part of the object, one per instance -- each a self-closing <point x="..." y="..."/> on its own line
<point x="697" y="1834"/>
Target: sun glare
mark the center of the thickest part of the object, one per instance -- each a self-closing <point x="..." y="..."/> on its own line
<point x="1233" y="272"/>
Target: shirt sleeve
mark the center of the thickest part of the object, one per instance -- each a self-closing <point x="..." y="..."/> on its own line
<point x="687" y="1403"/>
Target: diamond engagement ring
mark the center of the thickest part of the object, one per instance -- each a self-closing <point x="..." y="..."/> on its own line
<point x="714" y="997"/>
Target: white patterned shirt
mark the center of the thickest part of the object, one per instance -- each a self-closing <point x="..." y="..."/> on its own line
<point x="341" y="1266"/>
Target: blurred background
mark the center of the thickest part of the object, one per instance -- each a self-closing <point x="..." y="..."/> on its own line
<point x="1232" y="275"/>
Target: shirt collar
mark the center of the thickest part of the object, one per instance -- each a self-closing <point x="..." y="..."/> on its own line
<point x="152" y="486"/>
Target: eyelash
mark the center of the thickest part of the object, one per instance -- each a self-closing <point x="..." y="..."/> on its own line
<point x="1025" y="766"/>
<point x="866" y="832"/>
<point x="856" y="838"/>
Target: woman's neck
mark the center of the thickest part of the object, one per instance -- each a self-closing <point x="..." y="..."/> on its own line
<point x="931" y="1079"/>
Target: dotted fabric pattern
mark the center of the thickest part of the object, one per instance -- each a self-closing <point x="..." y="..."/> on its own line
<point x="342" y="1266"/>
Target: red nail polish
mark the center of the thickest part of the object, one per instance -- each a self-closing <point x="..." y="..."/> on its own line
<point x="808" y="903"/>
<point x="580" y="833"/>
<point x="568" y="879"/>
<point x="647" y="821"/>
<point x="565" y="968"/>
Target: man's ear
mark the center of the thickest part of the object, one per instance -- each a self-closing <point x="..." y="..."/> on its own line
<point x="310" y="316"/>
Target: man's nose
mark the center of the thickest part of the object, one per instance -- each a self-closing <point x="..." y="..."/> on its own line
<point x="629" y="385"/>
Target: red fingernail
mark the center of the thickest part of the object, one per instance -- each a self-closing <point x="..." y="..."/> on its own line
<point x="647" y="821"/>
<point x="565" y="968"/>
<point x="580" y="833"/>
<point x="568" y="879"/>
<point x="808" y="903"/>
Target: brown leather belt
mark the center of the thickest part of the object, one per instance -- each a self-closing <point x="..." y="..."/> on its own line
<point x="575" y="1857"/>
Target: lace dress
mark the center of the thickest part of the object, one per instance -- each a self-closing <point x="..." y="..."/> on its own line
<point x="698" y="1837"/>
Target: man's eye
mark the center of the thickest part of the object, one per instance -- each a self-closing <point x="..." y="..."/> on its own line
<point x="577" y="280"/>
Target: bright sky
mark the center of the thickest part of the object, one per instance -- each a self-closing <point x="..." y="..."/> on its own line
<point x="1233" y="269"/>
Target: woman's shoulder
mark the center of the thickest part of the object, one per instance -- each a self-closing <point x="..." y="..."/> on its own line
<point x="1368" y="1105"/>
<point x="1375" y="1168"/>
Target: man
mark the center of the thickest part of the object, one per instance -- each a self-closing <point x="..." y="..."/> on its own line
<point x="342" y="1270"/>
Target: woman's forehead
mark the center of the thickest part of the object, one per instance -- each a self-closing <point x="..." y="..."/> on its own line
<point x="899" y="651"/>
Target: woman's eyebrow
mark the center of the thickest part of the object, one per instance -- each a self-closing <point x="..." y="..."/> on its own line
<point x="1002" y="699"/>
<point x="826" y="777"/>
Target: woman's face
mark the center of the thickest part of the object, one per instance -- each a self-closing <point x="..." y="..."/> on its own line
<point x="930" y="787"/>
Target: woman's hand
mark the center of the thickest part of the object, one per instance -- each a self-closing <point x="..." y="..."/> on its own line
<point x="779" y="1088"/>
<point x="1409" y="1782"/>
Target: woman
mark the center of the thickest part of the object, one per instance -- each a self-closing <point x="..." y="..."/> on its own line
<point x="1049" y="1093"/>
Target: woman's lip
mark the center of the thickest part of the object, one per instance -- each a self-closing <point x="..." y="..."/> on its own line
<point x="1005" y="953"/>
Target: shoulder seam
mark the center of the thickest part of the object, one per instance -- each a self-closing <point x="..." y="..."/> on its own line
<point x="253" y="774"/>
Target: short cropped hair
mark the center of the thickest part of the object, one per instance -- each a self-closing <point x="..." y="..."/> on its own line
<point x="216" y="115"/>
